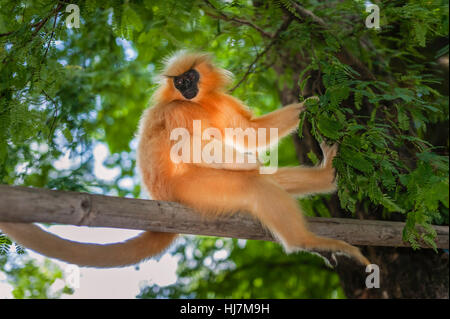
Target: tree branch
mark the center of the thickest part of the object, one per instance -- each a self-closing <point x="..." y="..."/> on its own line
<point x="27" y="205"/>
<point x="222" y="16"/>
<point x="344" y="55"/>
<point x="283" y="27"/>
<point x="51" y="36"/>
<point x="38" y="25"/>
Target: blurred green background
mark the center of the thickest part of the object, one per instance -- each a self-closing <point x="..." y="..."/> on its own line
<point x="67" y="92"/>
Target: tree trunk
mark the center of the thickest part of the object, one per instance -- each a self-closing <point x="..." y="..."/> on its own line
<point x="404" y="273"/>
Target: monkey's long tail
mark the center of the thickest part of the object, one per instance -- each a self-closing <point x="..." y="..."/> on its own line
<point x="125" y="253"/>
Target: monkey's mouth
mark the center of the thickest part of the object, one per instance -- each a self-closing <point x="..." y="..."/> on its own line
<point x="190" y="93"/>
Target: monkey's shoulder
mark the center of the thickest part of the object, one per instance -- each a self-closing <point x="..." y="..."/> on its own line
<point x="177" y="108"/>
<point x="176" y="114"/>
<point x="236" y="105"/>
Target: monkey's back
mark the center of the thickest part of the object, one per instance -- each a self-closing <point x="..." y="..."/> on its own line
<point x="158" y="171"/>
<point x="153" y="159"/>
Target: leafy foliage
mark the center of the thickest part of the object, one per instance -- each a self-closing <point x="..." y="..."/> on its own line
<point x="383" y="142"/>
<point x="64" y="92"/>
<point x="225" y="268"/>
<point x="31" y="280"/>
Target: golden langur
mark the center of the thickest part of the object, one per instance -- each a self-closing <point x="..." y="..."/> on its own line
<point x="193" y="89"/>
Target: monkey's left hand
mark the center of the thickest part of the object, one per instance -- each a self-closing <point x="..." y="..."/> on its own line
<point x="316" y="98"/>
<point x="300" y="107"/>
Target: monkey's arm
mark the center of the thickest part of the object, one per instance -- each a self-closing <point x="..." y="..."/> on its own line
<point x="284" y="120"/>
<point x="219" y="155"/>
<point x="210" y="151"/>
<point x="230" y="158"/>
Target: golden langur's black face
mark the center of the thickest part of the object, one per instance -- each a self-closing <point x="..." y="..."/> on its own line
<point x="187" y="83"/>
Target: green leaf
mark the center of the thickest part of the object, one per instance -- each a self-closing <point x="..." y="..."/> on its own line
<point x="329" y="127"/>
<point x="403" y="120"/>
<point x="130" y="17"/>
<point x="420" y="32"/>
<point x="356" y="160"/>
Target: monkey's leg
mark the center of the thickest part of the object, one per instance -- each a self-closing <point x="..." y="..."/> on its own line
<point x="309" y="180"/>
<point x="281" y="214"/>
<point x="214" y="191"/>
<point x="305" y="180"/>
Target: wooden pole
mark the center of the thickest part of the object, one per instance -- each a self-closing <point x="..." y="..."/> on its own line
<point x="26" y="205"/>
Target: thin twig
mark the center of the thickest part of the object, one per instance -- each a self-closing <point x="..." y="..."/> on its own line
<point x="225" y="17"/>
<point x="305" y="13"/>
<point x="262" y="53"/>
<point x="51" y="36"/>
<point x="344" y="55"/>
<point x="54" y="116"/>
<point x="38" y="25"/>
<point x="222" y="16"/>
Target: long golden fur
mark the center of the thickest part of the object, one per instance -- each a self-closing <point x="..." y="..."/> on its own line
<point x="216" y="190"/>
<point x="209" y="189"/>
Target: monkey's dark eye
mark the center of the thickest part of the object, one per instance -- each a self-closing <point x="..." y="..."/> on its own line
<point x="186" y="80"/>
<point x="192" y="75"/>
